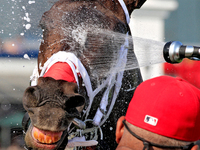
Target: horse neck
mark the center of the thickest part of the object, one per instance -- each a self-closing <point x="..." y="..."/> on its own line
<point x="117" y="9"/>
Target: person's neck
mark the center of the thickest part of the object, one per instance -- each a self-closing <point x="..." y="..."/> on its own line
<point x="123" y="148"/>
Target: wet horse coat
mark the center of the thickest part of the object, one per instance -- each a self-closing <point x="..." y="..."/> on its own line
<point x="57" y="99"/>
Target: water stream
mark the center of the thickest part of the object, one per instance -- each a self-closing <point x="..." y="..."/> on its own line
<point x="148" y="52"/>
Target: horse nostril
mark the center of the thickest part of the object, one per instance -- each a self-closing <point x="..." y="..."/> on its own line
<point x="30" y="97"/>
<point x="30" y="91"/>
<point x="75" y="101"/>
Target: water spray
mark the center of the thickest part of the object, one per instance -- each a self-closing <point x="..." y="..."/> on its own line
<point x="175" y="52"/>
<point x="147" y="52"/>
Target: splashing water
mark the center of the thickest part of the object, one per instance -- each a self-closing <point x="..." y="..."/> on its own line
<point x="31" y="2"/>
<point x="26" y="56"/>
<point x="101" y="49"/>
<point x="148" y="52"/>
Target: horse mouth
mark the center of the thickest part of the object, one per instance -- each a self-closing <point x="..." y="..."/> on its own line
<point x="45" y="139"/>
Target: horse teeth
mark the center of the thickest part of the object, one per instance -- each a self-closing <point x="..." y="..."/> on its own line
<point x="35" y="134"/>
<point x="46" y="136"/>
<point x="56" y="138"/>
<point x="41" y="138"/>
<point x="48" y="140"/>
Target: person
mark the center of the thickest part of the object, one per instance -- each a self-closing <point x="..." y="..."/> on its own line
<point x="164" y="113"/>
<point x="188" y="70"/>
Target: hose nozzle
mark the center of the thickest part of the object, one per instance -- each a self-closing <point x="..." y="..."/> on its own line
<point x="175" y="52"/>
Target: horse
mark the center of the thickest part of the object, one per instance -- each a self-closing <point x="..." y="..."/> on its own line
<point x="72" y="102"/>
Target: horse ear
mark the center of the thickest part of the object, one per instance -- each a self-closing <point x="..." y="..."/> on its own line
<point x="75" y="101"/>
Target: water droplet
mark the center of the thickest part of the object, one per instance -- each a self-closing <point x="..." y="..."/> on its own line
<point x="26" y="14"/>
<point x="5" y="105"/>
<point x="31" y="2"/>
<point x="28" y="26"/>
<point x="26" y="56"/>
<point x="28" y="19"/>
<point x="23" y="7"/>
<point x="13" y="89"/>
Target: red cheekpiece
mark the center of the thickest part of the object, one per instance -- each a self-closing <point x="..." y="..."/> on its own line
<point x="61" y="71"/>
<point x="167" y="106"/>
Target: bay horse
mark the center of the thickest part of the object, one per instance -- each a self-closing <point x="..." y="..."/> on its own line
<point x="71" y="103"/>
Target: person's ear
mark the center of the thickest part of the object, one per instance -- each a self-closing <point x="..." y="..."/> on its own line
<point x="195" y="147"/>
<point x="119" y="129"/>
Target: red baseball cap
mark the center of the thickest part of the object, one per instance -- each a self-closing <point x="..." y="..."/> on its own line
<point x="167" y="106"/>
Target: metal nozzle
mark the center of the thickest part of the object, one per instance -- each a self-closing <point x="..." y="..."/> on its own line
<point x="175" y="52"/>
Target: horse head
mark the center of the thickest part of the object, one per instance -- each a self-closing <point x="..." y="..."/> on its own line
<point x="51" y="105"/>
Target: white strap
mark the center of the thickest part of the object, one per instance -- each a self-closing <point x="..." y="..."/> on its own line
<point x="125" y="11"/>
<point x="80" y="141"/>
<point x="34" y="76"/>
<point x="59" y="57"/>
<point x="114" y="79"/>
